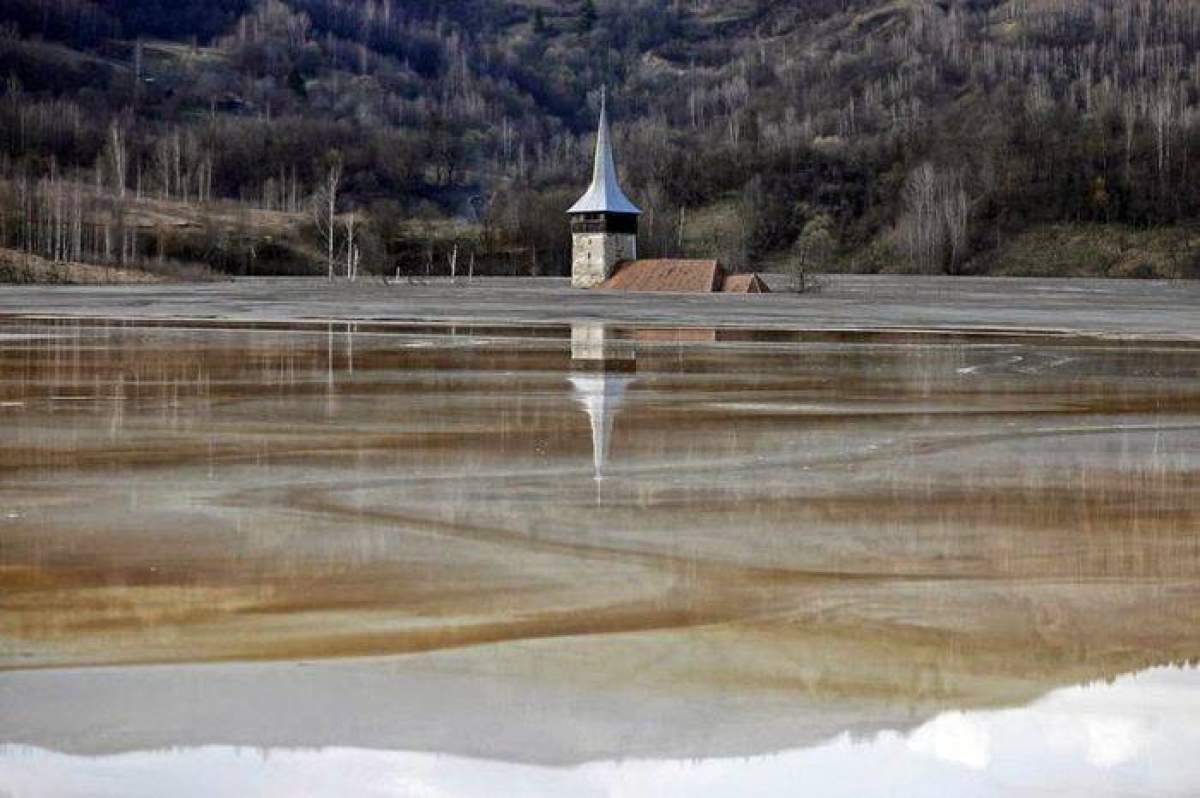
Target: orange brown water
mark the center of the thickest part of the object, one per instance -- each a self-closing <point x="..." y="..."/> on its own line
<point x="962" y="520"/>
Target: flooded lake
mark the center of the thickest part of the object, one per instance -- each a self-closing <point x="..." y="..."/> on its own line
<point x="371" y="559"/>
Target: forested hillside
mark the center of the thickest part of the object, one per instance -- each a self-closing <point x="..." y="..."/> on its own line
<point x="955" y="136"/>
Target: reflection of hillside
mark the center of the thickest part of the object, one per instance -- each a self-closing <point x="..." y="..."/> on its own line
<point x="555" y="704"/>
<point x="1081" y="740"/>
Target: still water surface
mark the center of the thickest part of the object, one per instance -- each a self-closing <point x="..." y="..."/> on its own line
<point x="354" y="559"/>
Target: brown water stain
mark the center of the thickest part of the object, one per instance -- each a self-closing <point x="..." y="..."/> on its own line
<point x="244" y="494"/>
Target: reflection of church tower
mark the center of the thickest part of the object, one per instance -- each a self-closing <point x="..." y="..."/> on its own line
<point x="601" y="395"/>
<point x="602" y="366"/>
<point x="603" y="221"/>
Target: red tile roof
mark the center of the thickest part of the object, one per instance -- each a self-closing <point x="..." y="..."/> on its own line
<point x="682" y="276"/>
<point x="695" y="276"/>
<point x="745" y="284"/>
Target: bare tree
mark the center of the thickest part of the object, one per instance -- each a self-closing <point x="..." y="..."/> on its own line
<point x="116" y="155"/>
<point x="921" y="227"/>
<point x="936" y="218"/>
<point x="956" y="214"/>
<point x="814" y="249"/>
<point x="351" y="222"/>
<point x="1162" y="117"/>
<point x="324" y="206"/>
<point x="1129" y="116"/>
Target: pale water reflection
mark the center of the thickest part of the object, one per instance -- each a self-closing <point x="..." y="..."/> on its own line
<point x="601" y="396"/>
<point x="1137" y="735"/>
<point x="602" y="363"/>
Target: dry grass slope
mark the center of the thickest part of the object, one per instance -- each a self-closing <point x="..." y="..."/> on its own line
<point x="20" y="267"/>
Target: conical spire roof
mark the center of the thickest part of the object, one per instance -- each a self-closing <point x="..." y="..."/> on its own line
<point x="604" y="195"/>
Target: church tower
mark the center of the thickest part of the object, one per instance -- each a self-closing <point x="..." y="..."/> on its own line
<point x="603" y="221"/>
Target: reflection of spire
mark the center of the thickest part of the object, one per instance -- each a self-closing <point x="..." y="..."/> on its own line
<point x="601" y="395"/>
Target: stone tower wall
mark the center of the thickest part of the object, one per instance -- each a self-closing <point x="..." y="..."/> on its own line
<point x="594" y="255"/>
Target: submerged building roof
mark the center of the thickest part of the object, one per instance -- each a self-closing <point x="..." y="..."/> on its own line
<point x="693" y="276"/>
<point x="744" y="284"/>
<point x="682" y="276"/>
<point x="604" y="195"/>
